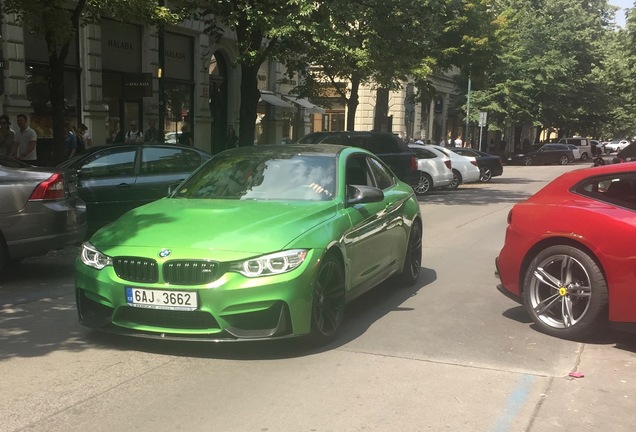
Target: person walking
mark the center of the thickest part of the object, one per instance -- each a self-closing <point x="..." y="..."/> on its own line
<point x="70" y="141"/>
<point x="7" y="136"/>
<point x="134" y="135"/>
<point x="25" y="147"/>
<point x="86" y="135"/>
<point x="185" y="138"/>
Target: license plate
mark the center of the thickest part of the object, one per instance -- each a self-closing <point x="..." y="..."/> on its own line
<point x="161" y="299"/>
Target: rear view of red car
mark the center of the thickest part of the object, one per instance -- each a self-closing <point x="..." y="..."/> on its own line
<point x="570" y="252"/>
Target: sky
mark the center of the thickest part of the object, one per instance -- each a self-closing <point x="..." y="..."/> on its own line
<point x="620" y="15"/>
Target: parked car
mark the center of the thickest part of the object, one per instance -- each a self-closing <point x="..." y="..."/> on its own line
<point x="387" y="146"/>
<point x="615" y="146"/>
<point x="489" y="165"/>
<point x="465" y="169"/>
<point x="261" y="242"/>
<point x="40" y="210"/>
<point x="628" y="154"/>
<point x="172" y="137"/>
<point x="597" y="148"/>
<point x="547" y="154"/>
<point x="434" y="166"/>
<point x="569" y="274"/>
<point x="116" y="178"/>
<point x="575" y="151"/>
<point x="584" y="145"/>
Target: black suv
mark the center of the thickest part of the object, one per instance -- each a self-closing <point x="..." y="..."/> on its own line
<point x="388" y="147"/>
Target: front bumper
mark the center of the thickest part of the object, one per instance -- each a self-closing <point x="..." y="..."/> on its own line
<point x="231" y="308"/>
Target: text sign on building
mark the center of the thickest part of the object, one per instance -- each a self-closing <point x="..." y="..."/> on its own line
<point x="137" y="85"/>
<point x="121" y="47"/>
<point x="178" y="58"/>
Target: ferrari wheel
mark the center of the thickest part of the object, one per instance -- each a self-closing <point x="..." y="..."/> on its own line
<point x="565" y="292"/>
<point x="328" y="302"/>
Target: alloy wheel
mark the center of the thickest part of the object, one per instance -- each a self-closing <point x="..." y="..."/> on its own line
<point x="328" y="302"/>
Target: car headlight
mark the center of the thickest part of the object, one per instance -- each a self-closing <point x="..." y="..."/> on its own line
<point x="91" y="257"/>
<point x="272" y="264"/>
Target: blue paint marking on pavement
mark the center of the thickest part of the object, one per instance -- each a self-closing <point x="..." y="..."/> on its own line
<point x="513" y="404"/>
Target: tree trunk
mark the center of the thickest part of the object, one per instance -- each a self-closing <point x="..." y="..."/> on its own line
<point x="249" y="104"/>
<point x="352" y="103"/>
<point x="380" y="120"/>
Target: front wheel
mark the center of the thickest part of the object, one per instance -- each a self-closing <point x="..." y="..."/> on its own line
<point x="328" y="303"/>
<point x="527" y="161"/>
<point x="584" y="157"/>
<point x="413" y="256"/>
<point x="565" y="292"/>
<point x="564" y="160"/>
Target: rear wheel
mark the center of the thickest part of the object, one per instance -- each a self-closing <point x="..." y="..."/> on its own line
<point x="457" y="180"/>
<point x="486" y="175"/>
<point x="424" y="185"/>
<point x="564" y="160"/>
<point x="565" y="292"/>
<point x="527" y="161"/>
<point x="327" y="309"/>
<point x="584" y="157"/>
<point x="413" y="256"/>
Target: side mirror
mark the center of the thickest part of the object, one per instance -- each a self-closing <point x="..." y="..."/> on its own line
<point x="363" y="194"/>
<point x="174" y="187"/>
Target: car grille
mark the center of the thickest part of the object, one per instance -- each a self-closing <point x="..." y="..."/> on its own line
<point x="136" y="269"/>
<point x="189" y="272"/>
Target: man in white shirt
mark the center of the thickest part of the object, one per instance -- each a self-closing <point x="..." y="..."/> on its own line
<point x="134" y="134"/>
<point x="25" y="141"/>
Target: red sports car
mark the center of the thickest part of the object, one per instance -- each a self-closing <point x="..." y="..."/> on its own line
<point x="570" y="252"/>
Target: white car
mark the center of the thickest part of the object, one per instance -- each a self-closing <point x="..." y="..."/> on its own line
<point x="616" y="146"/>
<point x="435" y="168"/>
<point x="465" y="168"/>
<point x="575" y="151"/>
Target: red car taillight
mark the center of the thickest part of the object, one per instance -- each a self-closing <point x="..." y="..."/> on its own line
<point x="413" y="163"/>
<point x="474" y="163"/>
<point x="50" y="189"/>
<point x="448" y="164"/>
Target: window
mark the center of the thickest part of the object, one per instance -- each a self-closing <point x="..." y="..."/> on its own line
<point x="110" y="163"/>
<point x="357" y="172"/>
<point x="383" y="179"/>
<point x="618" y="190"/>
<point x="424" y="153"/>
<point x="168" y="160"/>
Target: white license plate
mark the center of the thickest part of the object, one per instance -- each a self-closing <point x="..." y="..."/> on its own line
<point x="161" y="299"/>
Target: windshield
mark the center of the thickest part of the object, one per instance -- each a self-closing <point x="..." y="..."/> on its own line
<point x="260" y="177"/>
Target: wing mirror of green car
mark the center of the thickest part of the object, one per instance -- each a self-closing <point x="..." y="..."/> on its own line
<point x="357" y="194"/>
<point x="174" y="186"/>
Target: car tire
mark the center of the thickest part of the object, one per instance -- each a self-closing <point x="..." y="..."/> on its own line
<point x="457" y="180"/>
<point x="486" y="175"/>
<point x="527" y="161"/>
<point x="564" y="160"/>
<point x="565" y="292"/>
<point x="413" y="256"/>
<point x="328" y="301"/>
<point x="584" y="157"/>
<point x="424" y="185"/>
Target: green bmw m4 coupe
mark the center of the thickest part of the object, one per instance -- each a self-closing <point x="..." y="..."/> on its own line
<point x="258" y="243"/>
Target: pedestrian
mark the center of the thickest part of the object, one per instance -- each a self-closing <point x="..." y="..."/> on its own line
<point x="7" y="136"/>
<point x="185" y="138"/>
<point x="79" y="139"/>
<point x="70" y="142"/>
<point x="86" y="135"/>
<point x="152" y="133"/>
<point x="25" y="146"/>
<point x="232" y="139"/>
<point x="458" y="141"/>
<point x="134" y="135"/>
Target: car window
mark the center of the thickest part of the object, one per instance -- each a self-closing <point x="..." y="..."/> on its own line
<point x="363" y="141"/>
<point x="112" y="162"/>
<point x="616" y="189"/>
<point x="383" y="178"/>
<point x="385" y="143"/>
<point x="423" y="153"/>
<point x="162" y="160"/>
<point x="263" y="177"/>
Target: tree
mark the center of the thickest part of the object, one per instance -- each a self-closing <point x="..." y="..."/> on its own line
<point x="262" y="27"/>
<point x="58" y="21"/>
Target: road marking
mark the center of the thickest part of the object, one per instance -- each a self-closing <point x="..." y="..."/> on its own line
<point x="513" y="404"/>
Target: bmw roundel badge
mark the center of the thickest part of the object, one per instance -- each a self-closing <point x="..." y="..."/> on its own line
<point x="164" y="253"/>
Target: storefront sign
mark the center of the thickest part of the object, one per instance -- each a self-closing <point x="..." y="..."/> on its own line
<point x="121" y="46"/>
<point x="137" y="85"/>
<point x="178" y="59"/>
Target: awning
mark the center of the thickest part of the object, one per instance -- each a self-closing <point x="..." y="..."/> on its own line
<point x="305" y="104"/>
<point x="271" y="99"/>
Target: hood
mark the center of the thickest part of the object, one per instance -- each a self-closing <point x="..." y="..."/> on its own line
<point x="243" y="226"/>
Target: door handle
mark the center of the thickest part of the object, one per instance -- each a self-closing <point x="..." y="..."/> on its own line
<point x="124" y="185"/>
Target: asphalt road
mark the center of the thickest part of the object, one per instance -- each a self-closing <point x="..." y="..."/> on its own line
<point x="450" y="354"/>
